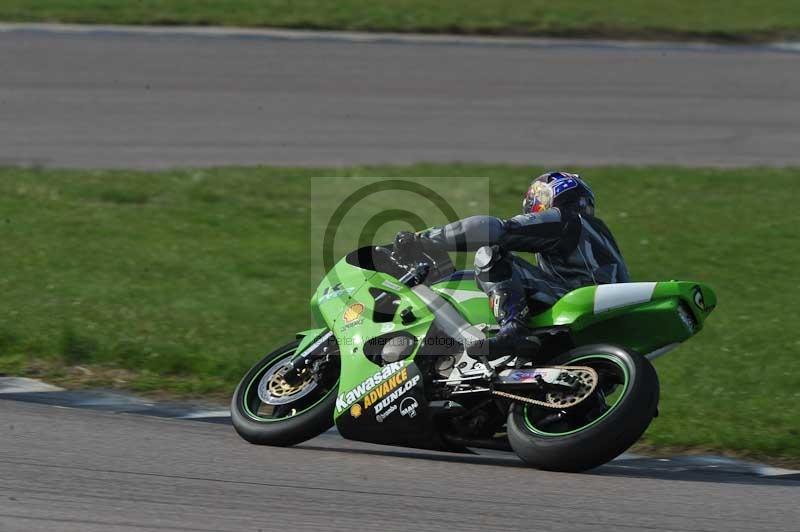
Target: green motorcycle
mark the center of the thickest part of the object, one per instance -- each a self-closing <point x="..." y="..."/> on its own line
<point x="388" y="365"/>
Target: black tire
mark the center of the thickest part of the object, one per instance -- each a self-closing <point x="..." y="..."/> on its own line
<point x="597" y="444"/>
<point x="285" y="432"/>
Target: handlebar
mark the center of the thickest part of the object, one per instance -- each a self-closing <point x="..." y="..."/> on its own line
<point x="415" y="274"/>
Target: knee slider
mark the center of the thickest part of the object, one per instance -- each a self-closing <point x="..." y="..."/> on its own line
<point x="507" y="303"/>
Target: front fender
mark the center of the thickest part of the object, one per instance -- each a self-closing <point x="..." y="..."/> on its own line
<point x="307" y="337"/>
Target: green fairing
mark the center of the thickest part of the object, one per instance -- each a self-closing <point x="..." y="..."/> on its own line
<point x="468" y="299"/>
<point x="642" y="326"/>
<point x="355" y="366"/>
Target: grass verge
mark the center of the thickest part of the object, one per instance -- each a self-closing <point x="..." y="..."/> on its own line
<point x="177" y="281"/>
<point x="720" y="20"/>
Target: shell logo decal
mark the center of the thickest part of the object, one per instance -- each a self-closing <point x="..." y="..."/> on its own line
<point x="355" y="411"/>
<point x="353" y="312"/>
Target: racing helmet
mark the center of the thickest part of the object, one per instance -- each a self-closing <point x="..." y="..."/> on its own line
<point x="558" y="189"/>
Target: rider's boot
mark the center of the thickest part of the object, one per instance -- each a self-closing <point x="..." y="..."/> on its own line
<point x="514" y="337"/>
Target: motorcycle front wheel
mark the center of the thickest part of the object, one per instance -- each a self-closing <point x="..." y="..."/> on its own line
<point x="600" y="428"/>
<point x="267" y="410"/>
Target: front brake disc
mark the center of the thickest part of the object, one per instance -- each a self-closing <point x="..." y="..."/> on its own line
<point x="273" y="389"/>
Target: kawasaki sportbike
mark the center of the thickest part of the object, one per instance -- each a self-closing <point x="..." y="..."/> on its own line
<point x="388" y="365"/>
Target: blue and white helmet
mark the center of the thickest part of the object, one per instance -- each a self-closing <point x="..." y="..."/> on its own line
<point x="557" y="189"/>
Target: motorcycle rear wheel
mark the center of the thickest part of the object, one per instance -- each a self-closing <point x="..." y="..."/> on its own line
<point x="590" y="434"/>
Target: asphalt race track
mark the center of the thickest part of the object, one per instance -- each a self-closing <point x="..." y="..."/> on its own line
<point x="154" y="100"/>
<point x="64" y="469"/>
<point x="157" y="100"/>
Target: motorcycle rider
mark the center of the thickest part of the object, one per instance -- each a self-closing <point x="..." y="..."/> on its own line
<point x="573" y="248"/>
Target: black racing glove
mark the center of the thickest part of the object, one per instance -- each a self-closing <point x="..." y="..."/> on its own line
<point x="408" y="246"/>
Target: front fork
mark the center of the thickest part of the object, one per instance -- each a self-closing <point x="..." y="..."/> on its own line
<point x="305" y="360"/>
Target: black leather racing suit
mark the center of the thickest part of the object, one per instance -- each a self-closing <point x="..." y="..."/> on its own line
<point x="573" y="249"/>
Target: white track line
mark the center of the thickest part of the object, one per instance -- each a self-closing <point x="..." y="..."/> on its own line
<point x="363" y="37"/>
<point x="24" y="385"/>
<point x="207" y="414"/>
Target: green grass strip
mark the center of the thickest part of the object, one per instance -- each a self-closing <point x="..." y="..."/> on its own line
<point x="180" y="280"/>
<point x="743" y="20"/>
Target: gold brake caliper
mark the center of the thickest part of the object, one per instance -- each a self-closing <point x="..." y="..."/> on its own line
<point x="587" y="380"/>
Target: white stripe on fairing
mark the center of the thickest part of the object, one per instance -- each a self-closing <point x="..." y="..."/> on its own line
<point x="611" y="296"/>
<point x="464" y="295"/>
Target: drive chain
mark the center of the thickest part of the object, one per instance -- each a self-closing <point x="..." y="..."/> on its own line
<point x="559" y="400"/>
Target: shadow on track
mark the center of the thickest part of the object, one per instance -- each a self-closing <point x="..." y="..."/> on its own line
<point x="687" y="469"/>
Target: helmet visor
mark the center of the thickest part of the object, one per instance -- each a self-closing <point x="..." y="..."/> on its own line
<point x="539" y="198"/>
